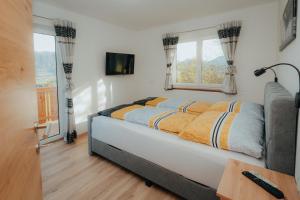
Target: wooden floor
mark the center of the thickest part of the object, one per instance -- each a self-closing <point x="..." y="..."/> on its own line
<point x="70" y="173"/>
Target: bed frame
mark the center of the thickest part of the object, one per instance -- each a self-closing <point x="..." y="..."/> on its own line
<point x="280" y="149"/>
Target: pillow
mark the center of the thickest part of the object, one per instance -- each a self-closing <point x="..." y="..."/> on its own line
<point x="254" y="109"/>
<point x="232" y="131"/>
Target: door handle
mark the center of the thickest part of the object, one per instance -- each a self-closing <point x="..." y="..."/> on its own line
<point x="37" y="148"/>
<point x="36" y="128"/>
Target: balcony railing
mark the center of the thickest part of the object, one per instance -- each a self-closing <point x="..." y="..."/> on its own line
<point x="47" y="104"/>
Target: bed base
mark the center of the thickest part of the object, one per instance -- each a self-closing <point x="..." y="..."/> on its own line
<point x="152" y="173"/>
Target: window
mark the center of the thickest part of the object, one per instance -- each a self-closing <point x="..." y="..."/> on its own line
<point x="45" y="60"/>
<point x="200" y="61"/>
<point x="186" y="62"/>
<point x="46" y="83"/>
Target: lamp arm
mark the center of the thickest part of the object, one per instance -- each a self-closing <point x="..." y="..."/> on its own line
<point x="274" y="72"/>
<point x="293" y="66"/>
<point x="275" y="79"/>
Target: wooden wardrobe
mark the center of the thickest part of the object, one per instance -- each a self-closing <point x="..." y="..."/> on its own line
<point x="20" y="175"/>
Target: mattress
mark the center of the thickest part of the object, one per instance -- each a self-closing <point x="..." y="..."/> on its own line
<point x="197" y="162"/>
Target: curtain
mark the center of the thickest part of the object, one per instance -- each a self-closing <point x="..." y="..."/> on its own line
<point x="170" y="42"/>
<point x="65" y="37"/>
<point x="229" y="34"/>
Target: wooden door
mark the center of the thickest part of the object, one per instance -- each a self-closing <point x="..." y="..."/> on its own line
<point x="20" y="176"/>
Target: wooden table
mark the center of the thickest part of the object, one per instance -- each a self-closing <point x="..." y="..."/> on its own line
<point x="235" y="186"/>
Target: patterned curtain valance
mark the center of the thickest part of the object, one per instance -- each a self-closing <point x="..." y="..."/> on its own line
<point x="170" y="42"/>
<point x="232" y="29"/>
<point x="65" y="28"/>
<point x="65" y="31"/>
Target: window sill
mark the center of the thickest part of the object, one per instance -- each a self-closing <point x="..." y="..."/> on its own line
<point x="199" y="89"/>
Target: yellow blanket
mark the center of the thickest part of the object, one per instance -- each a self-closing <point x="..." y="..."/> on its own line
<point x="195" y="107"/>
<point x="157" y="118"/>
<point x="155" y="101"/>
<point x="186" y="106"/>
<point x="173" y="122"/>
<point x="211" y="128"/>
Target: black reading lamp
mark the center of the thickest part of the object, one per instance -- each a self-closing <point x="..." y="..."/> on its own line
<point x="261" y="71"/>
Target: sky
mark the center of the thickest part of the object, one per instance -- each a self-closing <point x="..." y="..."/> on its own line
<point x="187" y="50"/>
<point x="43" y="42"/>
<point x="212" y="48"/>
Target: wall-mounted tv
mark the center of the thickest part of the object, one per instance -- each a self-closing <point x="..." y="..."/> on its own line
<point x="119" y="63"/>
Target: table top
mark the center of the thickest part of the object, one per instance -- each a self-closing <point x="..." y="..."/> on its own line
<point x="235" y="186"/>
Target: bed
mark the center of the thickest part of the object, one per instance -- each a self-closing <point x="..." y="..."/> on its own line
<point x="188" y="169"/>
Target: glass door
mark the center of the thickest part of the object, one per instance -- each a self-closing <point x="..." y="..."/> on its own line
<point x="46" y="86"/>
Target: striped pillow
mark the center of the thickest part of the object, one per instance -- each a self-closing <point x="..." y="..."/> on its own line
<point x="227" y="130"/>
<point x="254" y="109"/>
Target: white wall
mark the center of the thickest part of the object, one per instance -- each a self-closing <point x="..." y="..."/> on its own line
<point x="289" y="79"/>
<point x="93" y="90"/>
<point x="258" y="46"/>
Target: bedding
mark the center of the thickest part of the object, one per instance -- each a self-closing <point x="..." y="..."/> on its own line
<point x="254" y="109"/>
<point x="179" y="104"/>
<point x="197" y="107"/>
<point x="158" y="118"/>
<point x="143" y="102"/>
<point x="156" y="101"/>
<point x="232" y="131"/>
<point x="198" y="162"/>
<point x="108" y="112"/>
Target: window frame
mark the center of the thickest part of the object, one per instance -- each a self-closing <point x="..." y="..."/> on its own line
<point x="198" y="85"/>
<point x="45" y="27"/>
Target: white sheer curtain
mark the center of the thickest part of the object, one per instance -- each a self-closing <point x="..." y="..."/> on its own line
<point x="170" y="42"/>
<point x="229" y="35"/>
<point x="65" y="37"/>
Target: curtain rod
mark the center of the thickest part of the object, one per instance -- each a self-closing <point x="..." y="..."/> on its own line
<point x="198" y="29"/>
<point x="43" y="17"/>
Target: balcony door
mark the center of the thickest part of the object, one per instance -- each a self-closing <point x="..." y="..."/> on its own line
<point x="46" y="86"/>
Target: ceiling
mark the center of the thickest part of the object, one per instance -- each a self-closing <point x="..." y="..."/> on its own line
<point x="143" y="14"/>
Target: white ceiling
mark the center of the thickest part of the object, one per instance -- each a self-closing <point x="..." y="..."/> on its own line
<point x="143" y="14"/>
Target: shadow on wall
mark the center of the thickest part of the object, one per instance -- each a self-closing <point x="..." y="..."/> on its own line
<point x="89" y="98"/>
<point x="101" y="95"/>
<point x="82" y="103"/>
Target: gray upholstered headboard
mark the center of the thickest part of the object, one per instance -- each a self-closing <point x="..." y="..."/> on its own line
<point x="280" y="122"/>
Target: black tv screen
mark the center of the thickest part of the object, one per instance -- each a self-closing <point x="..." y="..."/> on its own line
<point x="119" y="63"/>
